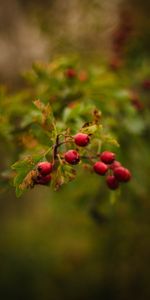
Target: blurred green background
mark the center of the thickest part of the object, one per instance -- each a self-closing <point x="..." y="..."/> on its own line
<point x="74" y="243"/>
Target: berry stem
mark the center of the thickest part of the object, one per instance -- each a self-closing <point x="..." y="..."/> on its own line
<point x="57" y="145"/>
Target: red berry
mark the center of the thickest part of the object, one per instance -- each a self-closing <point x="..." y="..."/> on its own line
<point x="43" y="179"/>
<point x="115" y="164"/>
<point x="70" y="73"/>
<point x="107" y="157"/>
<point x="122" y="174"/>
<point x="81" y="139"/>
<point x="72" y="157"/>
<point x="112" y="182"/>
<point x="100" y="168"/>
<point x="44" y="168"/>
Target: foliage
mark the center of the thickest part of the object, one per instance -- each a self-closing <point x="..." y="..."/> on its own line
<point x="109" y="104"/>
<point x="49" y="245"/>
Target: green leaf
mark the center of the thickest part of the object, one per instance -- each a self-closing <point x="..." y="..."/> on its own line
<point x="25" y="173"/>
<point x="91" y="129"/>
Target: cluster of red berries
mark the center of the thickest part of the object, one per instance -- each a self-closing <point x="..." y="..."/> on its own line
<point x="72" y="156"/>
<point x="107" y="165"/>
<point x="44" y="169"/>
<point x="116" y="173"/>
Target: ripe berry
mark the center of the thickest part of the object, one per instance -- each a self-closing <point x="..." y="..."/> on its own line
<point x="81" y="139"/>
<point x="122" y="174"/>
<point x="70" y="73"/>
<point x="43" y="179"/>
<point x="107" y="157"/>
<point x="112" y="182"/>
<point x="115" y="165"/>
<point x="44" y="167"/>
<point x="72" y="157"/>
<point x="100" y="168"/>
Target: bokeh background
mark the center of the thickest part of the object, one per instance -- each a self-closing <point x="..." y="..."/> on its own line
<point x="52" y="244"/>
